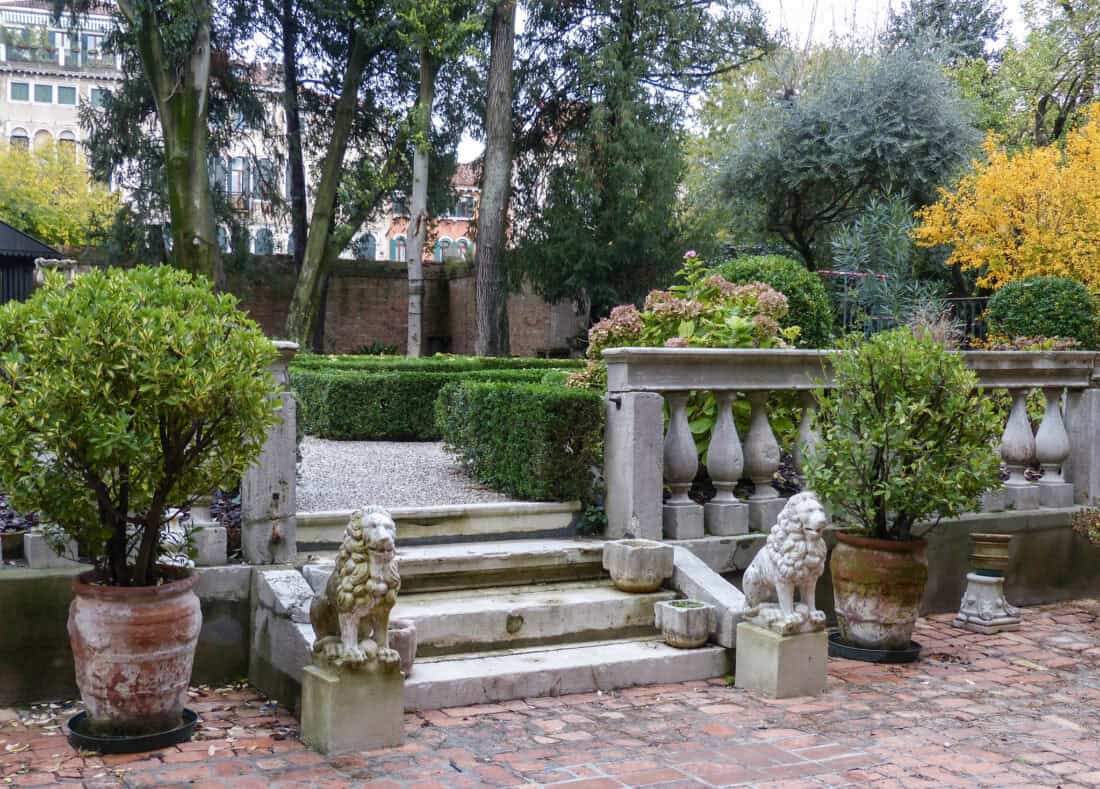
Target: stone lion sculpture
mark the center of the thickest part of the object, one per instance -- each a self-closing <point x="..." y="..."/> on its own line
<point x="793" y="558"/>
<point x="351" y="618"/>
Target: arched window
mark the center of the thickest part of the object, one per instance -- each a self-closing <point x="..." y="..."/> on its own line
<point x="365" y="247"/>
<point x="462" y="248"/>
<point x="42" y="140"/>
<point x="265" y="242"/>
<point x="398" y="249"/>
<point x="223" y="239"/>
<point x="20" y="138"/>
<point x="442" y="249"/>
<point x="66" y="143"/>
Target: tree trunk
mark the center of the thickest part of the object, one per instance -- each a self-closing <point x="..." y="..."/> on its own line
<point x="307" y="292"/>
<point x="297" y="180"/>
<point x="491" y="284"/>
<point x="418" y="220"/>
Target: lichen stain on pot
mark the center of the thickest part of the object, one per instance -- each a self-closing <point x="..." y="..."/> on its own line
<point x="878" y="586"/>
<point x="134" y="648"/>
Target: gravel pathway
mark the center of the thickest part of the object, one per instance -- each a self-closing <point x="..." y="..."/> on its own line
<point x="342" y="475"/>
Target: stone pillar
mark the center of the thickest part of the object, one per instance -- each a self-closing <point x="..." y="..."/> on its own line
<point x="1051" y="450"/>
<point x="633" y="469"/>
<point x="1082" y="468"/>
<point x="724" y="515"/>
<point x="268" y="497"/>
<point x="682" y="518"/>
<point x="761" y="462"/>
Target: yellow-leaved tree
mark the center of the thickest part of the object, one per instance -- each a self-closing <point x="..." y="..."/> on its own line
<point x="48" y="193"/>
<point x="1032" y="213"/>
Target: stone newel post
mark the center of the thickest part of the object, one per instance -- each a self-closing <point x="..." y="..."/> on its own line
<point x="1082" y="467"/>
<point x="268" y="500"/>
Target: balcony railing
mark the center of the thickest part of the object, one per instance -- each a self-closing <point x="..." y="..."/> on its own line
<point x="642" y="458"/>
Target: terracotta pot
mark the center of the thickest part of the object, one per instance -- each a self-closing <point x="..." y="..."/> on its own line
<point x="877" y="589"/>
<point x="133" y="648"/>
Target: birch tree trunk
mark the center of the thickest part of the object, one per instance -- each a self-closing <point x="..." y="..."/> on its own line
<point x="418" y="219"/>
<point x="491" y="284"/>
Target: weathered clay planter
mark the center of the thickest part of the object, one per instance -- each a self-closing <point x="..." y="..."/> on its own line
<point x="403" y="639"/>
<point x="877" y="589"/>
<point x="989" y="553"/>
<point x="133" y="648"/>
<point x="684" y="624"/>
<point x="638" y="565"/>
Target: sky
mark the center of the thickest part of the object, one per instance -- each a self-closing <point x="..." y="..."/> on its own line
<point x="817" y="20"/>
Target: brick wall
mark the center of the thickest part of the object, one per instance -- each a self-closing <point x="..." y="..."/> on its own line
<point x="368" y="302"/>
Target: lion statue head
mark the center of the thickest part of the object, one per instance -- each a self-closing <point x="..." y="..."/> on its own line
<point x="795" y="541"/>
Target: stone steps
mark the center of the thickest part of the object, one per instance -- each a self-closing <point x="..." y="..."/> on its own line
<point x="531" y="614"/>
<point x="484" y="678"/>
<point x="480" y="565"/>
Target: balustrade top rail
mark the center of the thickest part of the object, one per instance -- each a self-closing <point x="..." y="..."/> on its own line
<point x="759" y="369"/>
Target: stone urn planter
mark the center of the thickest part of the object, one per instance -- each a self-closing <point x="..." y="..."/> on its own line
<point x="684" y="624"/>
<point x="134" y="648"/>
<point x="877" y="589"/>
<point x="638" y="565"/>
<point x="403" y="639"/>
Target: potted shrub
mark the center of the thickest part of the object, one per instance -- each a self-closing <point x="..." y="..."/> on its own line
<point x="125" y="395"/>
<point x="907" y="438"/>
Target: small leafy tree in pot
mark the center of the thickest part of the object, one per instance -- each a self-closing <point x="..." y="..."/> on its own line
<point x="122" y="395"/>
<point x="907" y="438"/>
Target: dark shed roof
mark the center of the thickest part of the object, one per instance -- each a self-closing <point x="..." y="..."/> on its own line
<point x="16" y="243"/>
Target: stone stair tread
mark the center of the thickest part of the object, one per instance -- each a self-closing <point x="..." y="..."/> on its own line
<point x="501" y="675"/>
<point x="522" y="595"/>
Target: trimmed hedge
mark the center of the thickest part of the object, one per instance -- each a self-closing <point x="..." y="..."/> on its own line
<point x="1045" y="307"/>
<point x="807" y="299"/>
<point x="440" y="363"/>
<point x="531" y="441"/>
<point x="388" y="405"/>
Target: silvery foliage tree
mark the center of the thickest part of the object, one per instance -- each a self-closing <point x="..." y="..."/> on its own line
<point x="807" y="162"/>
<point x="954" y="30"/>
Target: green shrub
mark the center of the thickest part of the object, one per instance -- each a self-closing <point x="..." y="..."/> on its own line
<point x="440" y="363"/>
<point x="906" y="436"/>
<point x="1045" y="307"/>
<point x="531" y="441"/>
<point x="123" y="394"/>
<point x="808" y="305"/>
<point x="388" y="405"/>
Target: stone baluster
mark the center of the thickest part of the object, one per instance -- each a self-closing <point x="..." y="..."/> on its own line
<point x="683" y="518"/>
<point x="724" y="514"/>
<point x="1018" y="451"/>
<point x="808" y="437"/>
<point x="761" y="463"/>
<point x="1051" y="450"/>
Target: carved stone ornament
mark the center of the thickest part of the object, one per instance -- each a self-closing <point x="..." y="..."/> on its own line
<point x="984" y="608"/>
<point x="792" y="559"/>
<point x="351" y="618"/>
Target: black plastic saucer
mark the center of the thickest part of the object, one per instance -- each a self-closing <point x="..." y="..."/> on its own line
<point x="838" y="648"/>
<point x="125" y="744"/>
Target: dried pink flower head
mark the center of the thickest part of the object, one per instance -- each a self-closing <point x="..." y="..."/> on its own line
<point x="690" y="254"/>
<point x="676" y="342"/>
<point x="664" y="305"/>
<point x="621" y="327"/>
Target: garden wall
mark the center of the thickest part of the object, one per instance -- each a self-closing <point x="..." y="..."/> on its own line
<point x="368" y="302"/>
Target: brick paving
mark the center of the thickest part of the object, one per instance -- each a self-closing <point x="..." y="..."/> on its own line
<point x="1016" y="709"/>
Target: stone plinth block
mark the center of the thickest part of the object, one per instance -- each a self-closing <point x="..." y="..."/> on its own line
<point x="40" y="555"/>
<point x="638" y="565"/>
<point x="353" y="709"/>
<point x="997" y="500"/>
<point x="211" y="545"/>
<point x="683" y="521"/>
<point x="778" y="666"/>
<point x="984" y="608"/>
<point x="726" y="519"/>
<point x="1055" y="494"/>
<point x="763" y="513"/>
<point x="1023" y="497"/>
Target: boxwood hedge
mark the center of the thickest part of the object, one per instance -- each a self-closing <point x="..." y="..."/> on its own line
<point x="532" y="441"/>
<point x="1045" y="307"/>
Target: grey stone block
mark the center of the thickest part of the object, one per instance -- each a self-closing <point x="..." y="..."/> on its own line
<point x="284" y="592"/>
<point x="997" y="500"/>
<point x="269" y="496"/>
<point x="40" y="555"/>
<point x="726" y="519"/>
<point x="696" y="581"/>
<point x="633" y="458"/>
<point x="345" y="710"/>
<point x="211" y="545"/>
<point x="780" y="667"/>
<point x="226" y="582"/>
<point x="1082" y="467"/>
<point x="317" y="574"/>
<point x="1055" y="495"/>
<point x="1023" y="497"/>
<point x="763" y="513"/>
<point x="682" y="521"/>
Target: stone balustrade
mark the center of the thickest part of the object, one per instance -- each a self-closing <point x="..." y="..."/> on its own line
<point x="642" y="458"/>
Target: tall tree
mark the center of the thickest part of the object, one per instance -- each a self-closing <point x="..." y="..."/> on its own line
<point x="496" y="185"/>
<point x="954" y="29"/>
<point x="289" y="29"/>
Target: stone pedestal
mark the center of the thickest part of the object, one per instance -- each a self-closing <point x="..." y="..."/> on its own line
<point x="764" y="512"/>
<point x="726" y="519"/>
<point x="268" y="494"/>
<point x="997" y="500"/>
<point x="984" y="608"/>
<point x="682" y="521"/>
<point x="40" y="555"/>
<point x="778" y="666"/>
<point x="353" y="709"/>
<point x="1023" y="497"/>
<point x="1055" y="494"/>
